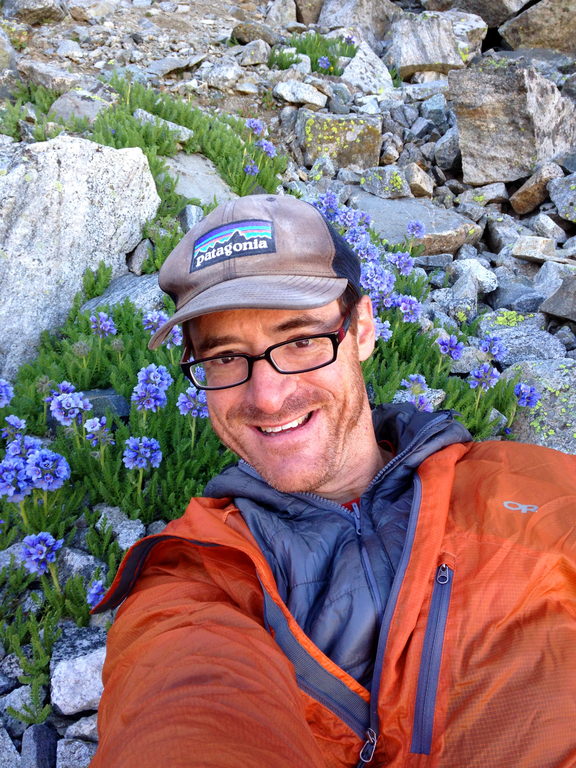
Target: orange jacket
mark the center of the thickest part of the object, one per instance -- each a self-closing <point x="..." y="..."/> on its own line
<point x="206" y="667"/>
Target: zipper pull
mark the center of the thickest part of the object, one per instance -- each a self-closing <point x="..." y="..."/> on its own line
<point x="443" y="574"/>
<point x="369" y="747"/>
<point x="356" y="513"/>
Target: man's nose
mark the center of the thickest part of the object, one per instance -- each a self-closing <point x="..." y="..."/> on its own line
<point x="268" y="389"/>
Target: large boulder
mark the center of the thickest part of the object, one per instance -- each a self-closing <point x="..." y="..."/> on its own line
<point x="510" y="119"/>
<point x="65" y="205"/>
<point x="371" y="17"/>
<point x="367" y="72"/>
<point x="494" y="12"/>
<point x="424" y="42"/>
<point x="308" y="11"/>
<point x="35" y="11"/>
<point x="547" y="24"/>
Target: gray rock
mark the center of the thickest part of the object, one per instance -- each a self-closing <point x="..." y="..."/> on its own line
<point x="75" y="562"/>
<point x="189" y="216"/>
<point x="552" y="421"/>
<point x="103" y="195"/>
<point x="182" y="133"/>
<point x="546" y="24"/>
<point x="19" y="699"/>
<point x="85" y="729"/>
<point x="35" y="11"/>
<point x="7" y="684"/>
<point x="7" y="53"/>
<point x="295" y="92"/>
<point x="423" y="42"/>
<point x="563" y="195"/>
<point x="371" y="17"/>
<point x="224" y="74"/>
<point x="127" y="531"/>
<point x="171" y="65"/>
<point x="156" y="527"/>
<point x="349" y="140"/>
<point x="486" y="280"/>
<point x="386" y="181"/>
<point x="247" y="31"/>
<point x="533" y="248"/>
<point x="463" y="298"/>
<point x="367" y="72"/>
<point x="281" y="13"/>
<point x="309" y="10"/>
<point x="6" y="556"/>
<point x="9" y="757"/>
<point x="515" y="292"/>
<point x="75" y="669"/>
<point x="139" y="256"/>
<point x="199" y="179"/>
<point x="522" y="340"/>
<point x="256" y="52"/>
<point x="51" y="76"/>
<point x="142" y="291"/>
<point x="534" y="190"/>
<point x="10" y="667"/>
<point x="435" y="109"/>
<point x="504" y="231"/>
<point x="447" y="151"/>
<point x="494" y="12"/>
<point x="544" y="226"/>
<point x="38" y="747"/>
<point x="471" y="359"/>
<point x="85" y="103"/>
<point x="567" y="337"/>
<point x="469" y="30"/>
<point x="490" y="193"/>
<point x="91" y="10"/>
<point x="509" y="120"/>
<point x="420" y="183"/>
<point x="72" y="753"/>
<point x="70" y="49"/>
<point x="563" y="302"/>
<point x="445" y="231"/>
<point x="434" y="260"/>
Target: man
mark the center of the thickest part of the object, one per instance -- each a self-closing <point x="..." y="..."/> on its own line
<point x="363" y="588"/>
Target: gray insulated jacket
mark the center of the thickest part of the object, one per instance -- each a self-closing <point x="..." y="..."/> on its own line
<point x="334" y="567"/>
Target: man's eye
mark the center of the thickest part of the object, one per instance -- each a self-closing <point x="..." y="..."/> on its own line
<point x="303" y="343"/>
<point x="221" y="361"/>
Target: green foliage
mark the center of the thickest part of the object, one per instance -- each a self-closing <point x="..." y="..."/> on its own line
<point x="281" y="59"/>
<point x="95" y="282"/>
<point x="165" y="235"/>
<point x="102" y="544"/>
<point x="315" y="46"/>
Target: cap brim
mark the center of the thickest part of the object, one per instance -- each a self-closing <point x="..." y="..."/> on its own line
<point x="257" y="292"/>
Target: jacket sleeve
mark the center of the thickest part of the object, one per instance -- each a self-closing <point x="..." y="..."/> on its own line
<point x="191" y="679"/>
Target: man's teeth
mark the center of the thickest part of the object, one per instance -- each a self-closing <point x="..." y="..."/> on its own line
<point x="291" y="425"/>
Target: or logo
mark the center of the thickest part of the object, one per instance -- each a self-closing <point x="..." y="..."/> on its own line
<point x="523" y="508"/>
<point x="239" y="238"/>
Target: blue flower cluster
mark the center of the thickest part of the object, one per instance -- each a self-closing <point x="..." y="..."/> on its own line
<point x="415" y="229"/>
<point x="69" y="407"/>
<point x="102" y="325"/>
<point x="527" y="396"/>
<point x="6" y="393"/>
<point x="383" y="330"/>
<point x="251" y="169"/>
<point x="150" y="392"/>
<point x="324" y="62"/>
<point x="97" y="433"/>
<point x="267" y="147"/>
<point x="256" y="126"/>
<point x="193" y="402"/>
<point x="410" y="307"/>
<point x="15" y="427"/>
<point x="451" y="346"/>
<point x="153" y="320"/>
<point x="141" y="453"/>
<point x="493" y="346"/>
<point x="27" y="465"/>
<point x="484" y="377"/>
<point x="38" y="551"/>
<point x="415" y="384"/>
<point x="95" y="592"/>
<point x="402" y="260"/>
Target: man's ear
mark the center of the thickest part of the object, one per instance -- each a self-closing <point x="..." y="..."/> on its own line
<point x="366" y="331"/>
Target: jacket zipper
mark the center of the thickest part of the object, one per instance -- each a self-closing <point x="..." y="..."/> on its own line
<point x="431" y="661"/>
<point x="368" y="570"/>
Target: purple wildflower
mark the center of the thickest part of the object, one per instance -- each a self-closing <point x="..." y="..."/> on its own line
<point x="142" y="452"/>
<point x="402" y="260"/>
<point x="415" y="229"/>
<point x="97" y="433"/>
<point x="95" y="593"/>
<point x="267" y="147"/>
<point x="493" y="345"/>
<point x="422" y="403"/>
<point x="68" y="407"/>
<point x="154" y="319"/>
<point x="155" y="375"/>
<point x="6" y="393"/>
<point x="193" y="402"/>
<point x="324" y="62"/>
<point x="148" y="397"/>
<point x="382" y="327"/>
<point x="415" y="384"/>
<point x="251" y="169"/>
<point x="485" y="377"/>
<point x="451" y="346"/>
<point x="349" y="40"/>
<point x="65" y="387"/>
<point x="14" y="482"/>
<point x="38" y="551"/>
<point x="527" y="396"/>
<point x="376" y="280"/>
<point x="410" y="307"/>
<point x="255" y="125"/>
<point x="102" y="325"/>
<point x="174" y="338"/>
<point x="15" y="427"/>
<point x="47" y="470"/>
<point x="22" y="446"/>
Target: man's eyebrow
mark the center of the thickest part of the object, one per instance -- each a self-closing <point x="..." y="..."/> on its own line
<point x="312" y="323"/>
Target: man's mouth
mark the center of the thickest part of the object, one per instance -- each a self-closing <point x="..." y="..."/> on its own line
<point x="286" y="427"/>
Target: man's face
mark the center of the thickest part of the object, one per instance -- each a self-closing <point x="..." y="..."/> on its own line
<point x="324" y="414"/>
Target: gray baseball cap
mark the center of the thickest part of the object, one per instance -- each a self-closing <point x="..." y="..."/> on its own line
<point x="259" y="251"/>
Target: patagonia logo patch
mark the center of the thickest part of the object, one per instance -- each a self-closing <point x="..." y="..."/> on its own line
<point x="239" y="238"/>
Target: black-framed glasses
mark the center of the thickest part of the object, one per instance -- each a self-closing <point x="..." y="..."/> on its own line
<point x="306" y="353"/>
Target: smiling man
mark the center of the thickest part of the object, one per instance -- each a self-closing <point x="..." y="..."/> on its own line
<point x="363" y="587"/>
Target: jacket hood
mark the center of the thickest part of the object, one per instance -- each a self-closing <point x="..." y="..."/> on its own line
<point x="412" y="435"/>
